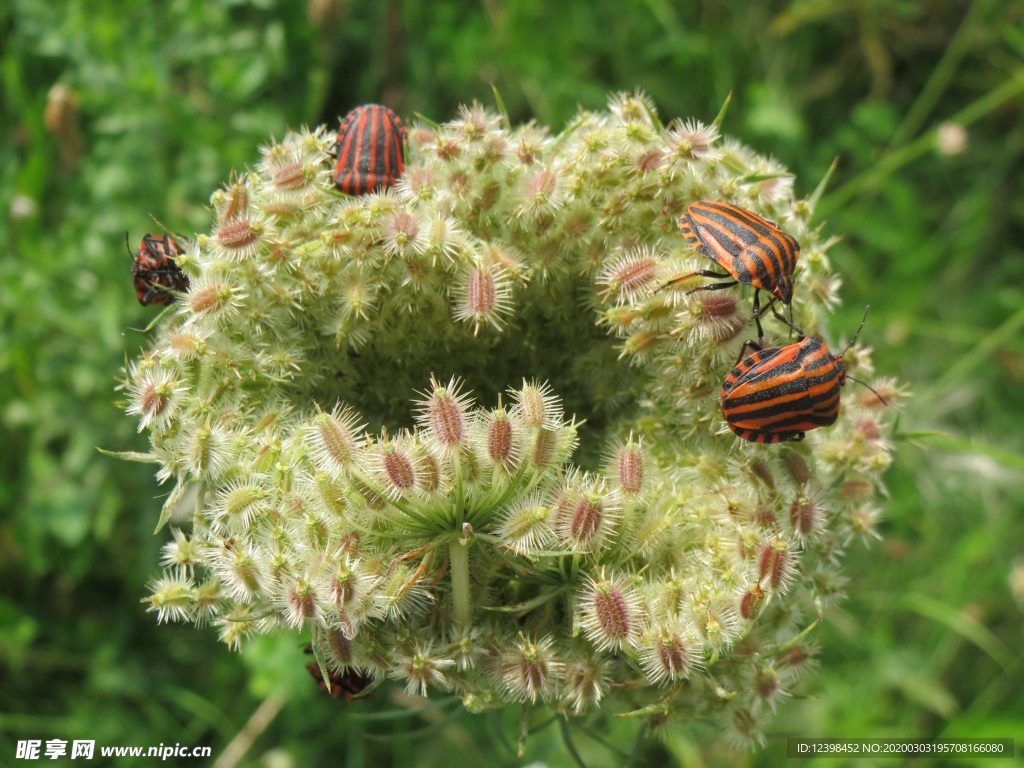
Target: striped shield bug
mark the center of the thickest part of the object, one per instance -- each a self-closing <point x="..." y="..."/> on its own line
<point x="369" y="150"/>
<point x="752" y="250"/>
<point x="156" y="276"/>
<point x="782" y="393"/>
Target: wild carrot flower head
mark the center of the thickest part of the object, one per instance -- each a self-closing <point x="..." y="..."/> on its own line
<point x="464" y="435"/>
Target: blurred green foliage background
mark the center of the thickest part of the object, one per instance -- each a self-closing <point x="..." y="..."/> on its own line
<point x="114" y="112"/>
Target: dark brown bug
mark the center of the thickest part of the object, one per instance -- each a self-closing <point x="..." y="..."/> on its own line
<point x="752" y="250"/>
<point x="349" y="684"/>
<point x="369" y="150"/>
<point x="154" y="272"/>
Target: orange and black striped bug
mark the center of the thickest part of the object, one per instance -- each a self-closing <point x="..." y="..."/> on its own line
<point x="156" y="276"/>
<point x="782" y="393"/>
<point x="752" y="251"/>
<point x="370" y="150"/>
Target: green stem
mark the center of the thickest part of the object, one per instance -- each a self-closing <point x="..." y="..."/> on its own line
<point x="459" y="561"/>
<point x="970" y="361"/>
<point x="942" y="74"/>
<point x="876" y="175"/>
<point x="459" y="511"/>
<point x="627" y="518"/>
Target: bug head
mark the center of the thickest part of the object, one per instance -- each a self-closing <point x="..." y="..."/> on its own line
<point x="783" y="289"/>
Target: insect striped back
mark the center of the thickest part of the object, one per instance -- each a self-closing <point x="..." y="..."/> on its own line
<point x="155" y="273"/>
<point x="370" y="150"/>
<point x="780" y="394"/>
<point x="751" y="249"/>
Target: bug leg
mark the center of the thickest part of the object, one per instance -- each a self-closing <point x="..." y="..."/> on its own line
<point x="790" y="321"/>
<point x="158" y="318"/>
<point x="712" y="286"/>
<point x="773" y="306"/>
<point x="748" y="344"/>
<point x="757" y="313"/>
<point x="782" y="318"/>
<point x="702" y="273"/>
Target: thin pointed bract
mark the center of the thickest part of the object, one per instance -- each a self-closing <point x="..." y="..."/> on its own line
<point x="720" y="117"/>
<point x="819" y="191"/>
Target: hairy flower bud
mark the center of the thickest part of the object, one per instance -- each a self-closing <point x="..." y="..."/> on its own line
<point x="423" y="671"/>
<point x="586" y="512"/>
<point x="526" y="527"/>
<point x="806" y="514"/>
<point x="483" y="296"/>
<point x="628" y="468"/>
<point x="530" y="668"/>
<point x="500" y="439"/>
<point x="154" y="398"/>
<point x="536" y="404"/>
<point x="666" y="655"/>
<point x="443" y="414"/>
<point x="776" y="563"/>
<point x="611" y="617"/>
<point x="241" y="237"/>
<point x="585" y="683"/>
<point x="751" y="602"/>
<point x="396" y="469"/>
<point x="334" y="440"/>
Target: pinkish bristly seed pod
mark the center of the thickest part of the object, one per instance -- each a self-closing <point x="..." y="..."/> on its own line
<point x="611" y="616"/>
<point x="483" y="297"/>
<point x="443" y="414"/>
<point x="530" y="668"/>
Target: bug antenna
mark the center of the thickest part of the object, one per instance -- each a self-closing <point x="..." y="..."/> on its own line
<point x="859" y="328"/>
<point x="127" y="245"/>
<point x="881" y="399"/>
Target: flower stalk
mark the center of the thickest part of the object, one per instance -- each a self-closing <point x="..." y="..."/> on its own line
<point x="462" y="604"/>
